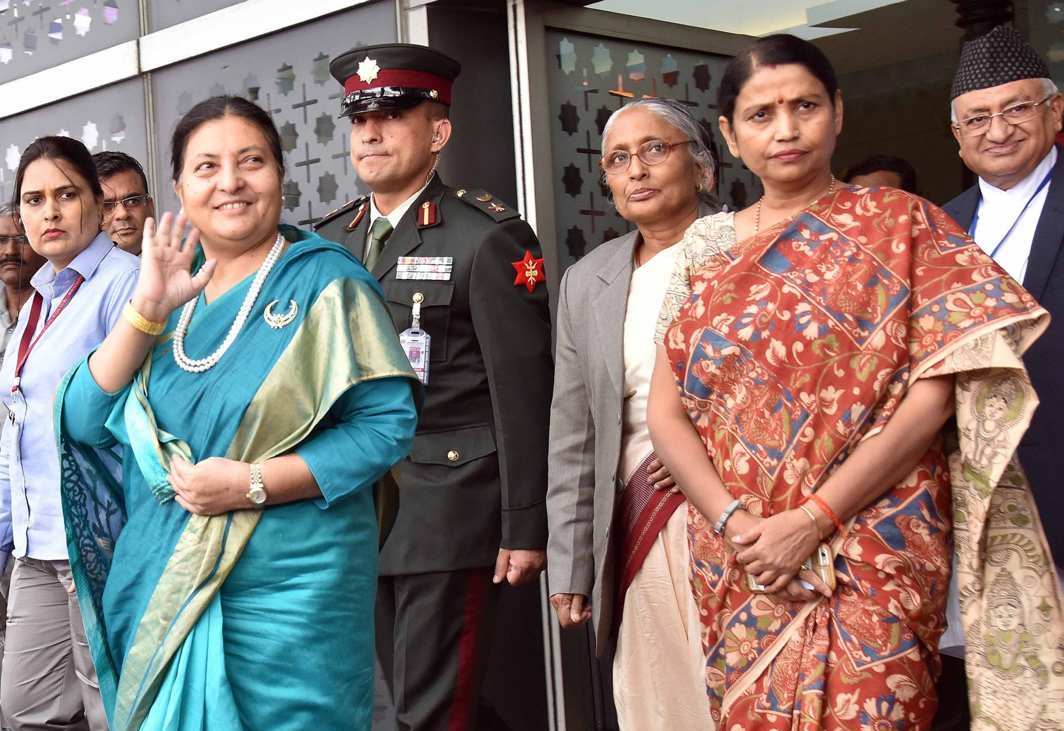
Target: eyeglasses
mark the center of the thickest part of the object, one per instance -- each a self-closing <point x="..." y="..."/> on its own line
<point x="130" y="203"/>
<point x="978" y="124"/>
<point x="16" y="240"/>
<point x="651" y="152"/>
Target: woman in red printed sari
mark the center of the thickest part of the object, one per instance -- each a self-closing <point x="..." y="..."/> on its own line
<point x="819" y="359"/>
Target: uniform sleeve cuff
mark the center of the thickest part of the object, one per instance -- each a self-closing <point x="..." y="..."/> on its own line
<point x="525" y="528"/>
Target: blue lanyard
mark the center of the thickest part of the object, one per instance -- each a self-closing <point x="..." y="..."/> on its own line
<point x="975" y="218"/>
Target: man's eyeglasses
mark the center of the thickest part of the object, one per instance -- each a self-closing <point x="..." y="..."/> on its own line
<point x="130" y="203"/>
<point x="651" y="152"/>
<point x="16" y="240"/>
<point x="978" y="124"/>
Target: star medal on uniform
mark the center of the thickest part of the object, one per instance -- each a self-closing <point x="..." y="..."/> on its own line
<point x="529" y="272"/>
<point x="368" y="68"/>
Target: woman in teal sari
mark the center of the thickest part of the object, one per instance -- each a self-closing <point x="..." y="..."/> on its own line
<point x="227" y="581"/>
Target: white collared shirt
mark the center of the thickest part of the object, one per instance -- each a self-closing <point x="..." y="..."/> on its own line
<point x="998" y="210"/>
<point x="395" y="216"/>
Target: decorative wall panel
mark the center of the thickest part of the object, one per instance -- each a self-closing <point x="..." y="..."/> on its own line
<point x="590" y="78"/>
<point x="39" y="34"/>
<point x="287" y="74"/>
<point x="164" y="13"/>
<point x="111" y="118"/>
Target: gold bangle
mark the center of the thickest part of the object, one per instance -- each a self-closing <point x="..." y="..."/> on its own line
<point x="139" y="322"/>
<point x="812" y="518"/>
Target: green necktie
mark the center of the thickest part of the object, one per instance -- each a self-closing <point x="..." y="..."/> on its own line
<point x="378" y="234"/>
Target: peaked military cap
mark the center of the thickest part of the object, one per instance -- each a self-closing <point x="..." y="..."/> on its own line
<point x="999" y="57"/>
<point x="393" y="76"/>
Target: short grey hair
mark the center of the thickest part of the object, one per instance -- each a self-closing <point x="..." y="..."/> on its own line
<point x="8" y="209"/>
<point x="1049" y="88"/>
<point x="678" y="116"/>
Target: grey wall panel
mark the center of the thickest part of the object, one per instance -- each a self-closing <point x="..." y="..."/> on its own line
<point x="111" y="118"/>
<point x="39" y="34"/>
<point x="286" y="73"/>
<point x="480" y="153"/>
<point x="589" y="78"/>
<point x="164" y="13"/>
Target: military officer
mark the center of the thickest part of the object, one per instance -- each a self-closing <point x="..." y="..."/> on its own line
<point x="463" y="277"/>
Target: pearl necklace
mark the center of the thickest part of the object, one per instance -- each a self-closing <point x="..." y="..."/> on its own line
<point x="205" y="364"/>
<point x="757" y="213"/>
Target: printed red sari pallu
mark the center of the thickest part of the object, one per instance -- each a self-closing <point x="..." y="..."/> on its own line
<point x="801" y="342"/>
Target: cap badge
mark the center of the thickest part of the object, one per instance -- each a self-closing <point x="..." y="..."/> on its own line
<point x="368" y="69"/>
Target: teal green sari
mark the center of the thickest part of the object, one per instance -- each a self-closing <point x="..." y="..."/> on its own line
<point x="253" y="619"/>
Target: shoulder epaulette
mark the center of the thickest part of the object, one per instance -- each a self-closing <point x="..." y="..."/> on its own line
<point x="486" y="203"/>
<point x="345" y="208"/>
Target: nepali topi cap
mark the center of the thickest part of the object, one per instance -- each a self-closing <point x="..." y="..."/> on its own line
<point x="393" y="76"/>
<point x="999" y="57"/>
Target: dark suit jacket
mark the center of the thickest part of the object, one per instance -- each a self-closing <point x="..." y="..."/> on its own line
<point x="1042" y="448"/>
<point x="476" y="477"/>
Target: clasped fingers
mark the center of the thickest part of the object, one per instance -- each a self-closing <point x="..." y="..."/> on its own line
<point x="210" y="487"/>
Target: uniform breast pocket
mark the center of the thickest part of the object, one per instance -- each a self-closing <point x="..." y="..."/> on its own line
<point x="435" y="301"/>
<point x="465" y="454"/>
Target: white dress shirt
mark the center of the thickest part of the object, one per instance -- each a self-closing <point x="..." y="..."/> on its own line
<point x="999" y="210"/>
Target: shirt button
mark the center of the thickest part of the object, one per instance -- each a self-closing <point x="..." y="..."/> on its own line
<point x="453" y="456"/>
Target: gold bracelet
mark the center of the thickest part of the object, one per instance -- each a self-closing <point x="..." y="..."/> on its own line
<point x="139" y="322"/>
<point x="812" y="518"/>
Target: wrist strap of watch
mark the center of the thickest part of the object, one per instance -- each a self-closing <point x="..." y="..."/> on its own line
<point x="722" y="521"/>
<point x="256" y="494"/>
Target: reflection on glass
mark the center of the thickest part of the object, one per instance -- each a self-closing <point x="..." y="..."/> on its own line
<point x="90" y="135"/>
<point x="82" y="21"/>
<point x="118" y="129"/>
<point x="6" y="52"/>
<point x="637" y="66"/>
<point x="567" y="56"/>
<point x="324" y="128"/>
<point x="601" y="59"/>
<point x="11" y="157"/>
<point x="320" y="69"/>
<point x="292" y="194"/>
<point x="286" y="79"/>
<point x="110" y="12"/>
<point x="251" y="87"/>
<point x="670" y="70"/>
<point x="29" y="42"/>
<point x="289" y="136"/>
<point x="55" y="30"/>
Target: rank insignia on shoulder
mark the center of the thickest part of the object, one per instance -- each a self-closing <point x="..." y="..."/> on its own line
<point x="486" y="203"/>
<point x="345" y="208"/>
<point x="358" y="216"/>
<point x="428" y="214"/>
<point x="529" y="272"/>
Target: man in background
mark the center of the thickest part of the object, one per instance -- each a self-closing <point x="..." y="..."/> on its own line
<point x="126" y="203"/>
<point x="18" y="263"/>
<point x="1006" y="114"/>
<point x="879" y="170"/>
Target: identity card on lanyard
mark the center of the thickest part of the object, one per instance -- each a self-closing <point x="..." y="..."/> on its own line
<point x="416" y="342"/>
<point x="28" y="342"/>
